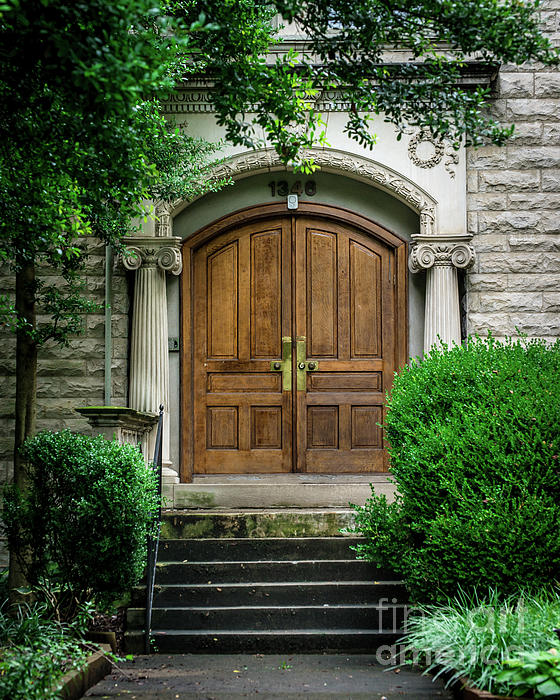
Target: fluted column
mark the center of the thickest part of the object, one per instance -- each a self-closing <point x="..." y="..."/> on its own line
<point x="151" y="258"/>
<point x="441" y="256"/>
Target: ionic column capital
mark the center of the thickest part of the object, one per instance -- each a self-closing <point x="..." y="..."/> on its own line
<point x="153" y="252"/>
<point x="437" y="251"/>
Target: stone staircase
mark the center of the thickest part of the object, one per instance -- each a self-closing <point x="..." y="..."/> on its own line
<point x="265" y="582"/>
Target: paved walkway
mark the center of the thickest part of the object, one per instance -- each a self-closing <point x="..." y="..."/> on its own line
<point x="235" y="676"/>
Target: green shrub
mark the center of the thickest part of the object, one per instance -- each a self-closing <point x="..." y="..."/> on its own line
<point x="475" y="443"/>
<point x="35" y="652"/>
<point x="81" y="525"/>
<point x="468" y="638"/>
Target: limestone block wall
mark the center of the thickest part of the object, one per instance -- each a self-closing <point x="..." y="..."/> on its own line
<point x="68" y="376"/>
<point x="513" y="205"/>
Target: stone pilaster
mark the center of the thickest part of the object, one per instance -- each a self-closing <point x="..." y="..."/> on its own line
<point x="151" y="258"/>
<point x="441" y="257"/>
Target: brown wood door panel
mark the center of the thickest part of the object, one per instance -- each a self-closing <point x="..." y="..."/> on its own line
<point x="329" y="277"/>
<point x="241" y="309"/>
<point x="344" y="307"/>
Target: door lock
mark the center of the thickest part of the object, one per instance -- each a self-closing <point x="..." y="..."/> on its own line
<point x="303" y="365"/>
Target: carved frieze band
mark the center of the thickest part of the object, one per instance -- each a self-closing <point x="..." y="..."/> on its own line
<point x="197" y="100"/>
<point x="328" y="159"/>
<point x="456" y="252"/>
<point x="164" y="254"/>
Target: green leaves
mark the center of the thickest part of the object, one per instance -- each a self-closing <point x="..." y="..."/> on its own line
<point x="474" y="451"/>
<point x="497" y="644"/>
<point x="84" y="517"/>
<point x="36" y="653"/>
<point x="536" y="672"/>
<point x="346" y="48"/>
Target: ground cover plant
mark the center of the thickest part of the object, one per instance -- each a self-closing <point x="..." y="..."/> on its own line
<point x="474" y="448"/>
<point x="36" y="651"/>
<point x="535" y="672"/>
<point x="496" y="643"/>
<point x="80" y="529"/>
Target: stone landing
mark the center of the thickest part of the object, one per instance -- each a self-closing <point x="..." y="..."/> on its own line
<point x="276" y="491"/>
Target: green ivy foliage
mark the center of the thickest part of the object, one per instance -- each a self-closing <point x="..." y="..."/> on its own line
<point x="80" y="528"/>
<point x="475" y="449"/>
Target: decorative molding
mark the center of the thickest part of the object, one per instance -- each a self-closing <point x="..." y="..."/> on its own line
<point x="430" y="251"/>
<point x="451" y="159"/>
<point x="162" y="253"/>
<point x="197" y="100"/>
<point x="330" y="160"/>
<point x="437" y="150"/>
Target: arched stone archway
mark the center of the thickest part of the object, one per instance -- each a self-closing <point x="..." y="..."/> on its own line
<point x="329" y="160"/>
<point x="439" y="255"/>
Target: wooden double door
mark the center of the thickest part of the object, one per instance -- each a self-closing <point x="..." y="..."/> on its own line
<point x="298" y="322"/>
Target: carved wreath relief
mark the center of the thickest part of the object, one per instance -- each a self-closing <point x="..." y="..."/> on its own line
<point x="426" y="152"/>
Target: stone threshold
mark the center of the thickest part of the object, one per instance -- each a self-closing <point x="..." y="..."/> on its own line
<point x="277" y="491"/>
<point x="290" y="478"/>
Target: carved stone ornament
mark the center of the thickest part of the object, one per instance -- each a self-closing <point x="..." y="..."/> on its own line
<point x="426" y="152"/>
<point x="330" y="160"/>
<point x="162" y="253"/>
<point x="451" y="251"/>
<point x="197" y="99"/>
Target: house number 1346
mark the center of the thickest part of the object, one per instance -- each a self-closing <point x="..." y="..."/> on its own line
<point x="282" y="188"/>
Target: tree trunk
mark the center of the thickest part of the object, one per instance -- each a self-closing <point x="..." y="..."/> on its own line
<point x="26" y="387"/>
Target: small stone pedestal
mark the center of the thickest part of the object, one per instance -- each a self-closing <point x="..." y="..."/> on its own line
<point x="126" y="425"/>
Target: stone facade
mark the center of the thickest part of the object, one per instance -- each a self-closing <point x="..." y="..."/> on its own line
<point x="513" y="203"/>
<point x="512" y="198"/>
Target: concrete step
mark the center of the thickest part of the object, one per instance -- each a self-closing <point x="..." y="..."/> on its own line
<point x="256" y="523"/>
<point x="254" y="549"/>
<point x="263" y="642"/>
<point x="268" y="571"/>
<point x="278" y="494"/>
<point x="264" y="581"/>
<point x="268" y="618"/>
<point x="316" y="593"/>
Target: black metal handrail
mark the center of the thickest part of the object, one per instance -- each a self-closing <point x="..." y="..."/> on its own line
<point x="153" y="536"/>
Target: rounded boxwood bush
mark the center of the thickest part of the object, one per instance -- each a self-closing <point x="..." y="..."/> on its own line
<point x="474" y="435"/>
<point x="83" y="521"/>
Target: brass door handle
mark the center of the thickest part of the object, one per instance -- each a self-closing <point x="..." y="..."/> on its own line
<point x="303" y="365"/>
<point x="285" y="366"/>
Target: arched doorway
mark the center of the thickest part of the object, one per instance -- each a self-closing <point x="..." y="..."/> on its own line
<point x="293" y="324"/>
